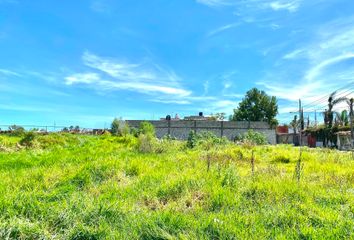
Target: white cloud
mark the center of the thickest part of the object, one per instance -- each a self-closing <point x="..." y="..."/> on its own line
<point x="87" y="78"/>
<point x="320" y="65"/>
<point x="291" y="6"/>
<point x="215" y="3"/>
<point x="254" y="5"/>
<point x="297" y="53"/>
<point x="9" y="73"/>
<point x="317" y="69"/>
<point x="119" y="75"/>
<point x="223" y="28"/>
<point x="176" y="101"/>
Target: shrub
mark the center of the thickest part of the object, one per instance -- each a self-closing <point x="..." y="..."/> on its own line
<point x="167" y="145"/>
<point x="119" y="127"/>
<point x="17" y="131"/>
<point x="253" y="138"/>
<point x="205" y="139"/>
<point x="134" y="131"/>
<point x="53" y="140"/>
<point x="146" y="128"/>
<point x="28" y="140"/>
<point x="192" y="140"/>
<point x="145" y="143"/>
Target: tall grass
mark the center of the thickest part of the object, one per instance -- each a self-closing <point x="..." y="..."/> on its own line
<point x="89" y="187"/>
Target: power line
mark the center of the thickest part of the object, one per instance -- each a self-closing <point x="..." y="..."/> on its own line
<point x="323" y="105"/>
<point x="326" y="95"/>
<point x="339" y="95"/>
<point x="324" y="98"/>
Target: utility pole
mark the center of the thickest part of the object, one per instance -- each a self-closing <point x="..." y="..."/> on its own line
<point x="315" y="118"/>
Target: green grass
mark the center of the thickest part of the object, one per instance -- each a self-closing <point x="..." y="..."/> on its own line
<point x="86" y="187"/>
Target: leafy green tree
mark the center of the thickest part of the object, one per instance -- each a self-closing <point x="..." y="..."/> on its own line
<point x="218" y="116"/>
<point x="119" y="127"/>
<point x="257" y="106"/>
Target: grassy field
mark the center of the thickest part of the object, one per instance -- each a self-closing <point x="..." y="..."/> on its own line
<point x="89" y="187"/>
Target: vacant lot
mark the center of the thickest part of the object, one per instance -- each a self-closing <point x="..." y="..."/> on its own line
<point x="82" y="187"/>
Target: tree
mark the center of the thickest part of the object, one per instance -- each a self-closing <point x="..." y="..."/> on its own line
<point x="119" y="127"/>
<point x="147" y="128"/>
<point x="257" y="106"/>
<point x="329" y="114"/>
<point x="218" y="116"/>
<point x="342" y="119"/>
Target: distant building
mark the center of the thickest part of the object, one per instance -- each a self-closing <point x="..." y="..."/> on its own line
<point x="200" y="117"/>
<point x="344" y="140"/>
<point x="169" y="118"/>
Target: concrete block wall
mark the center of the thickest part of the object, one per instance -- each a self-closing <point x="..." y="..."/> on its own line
<point x="181" y="129"/>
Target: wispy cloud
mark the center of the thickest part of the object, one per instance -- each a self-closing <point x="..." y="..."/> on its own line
<point x="223" y="28"/>
<point x="318" y="69"/>
<point x="9" y="73"/>
<point x="254" y="5"/>
<point x="295" y="54"/>
<point x="215" y="3"/>
<point x="291" y="6"/>
<point x="326" y="64"/>
<point x="118" y="75"/>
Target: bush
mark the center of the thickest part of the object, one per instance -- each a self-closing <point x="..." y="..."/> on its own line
<point x="119" y="127"/>
<point x="147" y="128"/>
<point x="146" y="143"/>
<point x="17" y="131"/>
<point x="206" y="139"/>
<point x="56" y="139"/>
<point x="253" y="138"/>
<point x="192" y="140"/>
<point x="28" y="140"/>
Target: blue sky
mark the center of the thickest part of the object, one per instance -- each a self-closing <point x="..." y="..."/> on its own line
<point x="84" y="62"/>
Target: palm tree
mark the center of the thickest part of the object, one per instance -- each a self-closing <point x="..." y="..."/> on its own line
<point x="342" y="119"/>
<point x="332" y="101"/>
